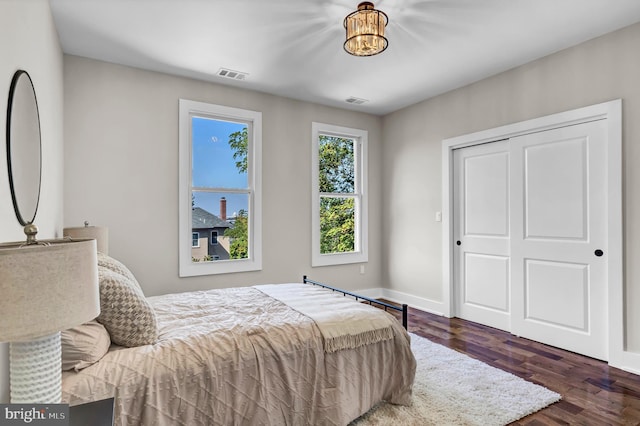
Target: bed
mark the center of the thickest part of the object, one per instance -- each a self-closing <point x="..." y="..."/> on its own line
<point x="279" y="354"/>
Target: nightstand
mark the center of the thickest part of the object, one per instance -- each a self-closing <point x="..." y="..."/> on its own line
<point x="97" y="413"/>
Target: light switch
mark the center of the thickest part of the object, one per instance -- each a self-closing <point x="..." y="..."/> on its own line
<point x="438" y="216"/>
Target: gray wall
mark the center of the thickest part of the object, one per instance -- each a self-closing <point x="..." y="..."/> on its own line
<point x="599" y="70"/>
<point x="120" y="158"/>
<point x="121" y="171"/>
<point x="29" y="41"/>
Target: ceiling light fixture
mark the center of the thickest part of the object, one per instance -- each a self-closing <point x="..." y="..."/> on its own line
<point x="365" y="31"/>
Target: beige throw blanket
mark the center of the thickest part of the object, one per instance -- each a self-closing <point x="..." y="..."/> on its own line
<point x="342" y="323"/>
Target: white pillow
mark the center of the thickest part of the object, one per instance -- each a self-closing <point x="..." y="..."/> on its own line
<point x="84" y="345"/>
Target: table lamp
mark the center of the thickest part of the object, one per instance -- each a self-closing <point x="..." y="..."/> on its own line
<point x="98" y="233"/>
<point x="45" y="287"/>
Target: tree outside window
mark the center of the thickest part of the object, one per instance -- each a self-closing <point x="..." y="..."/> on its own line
<point x="339" y="199"/>
<point x="220" y="188"/>
<point x="337" y="189"/>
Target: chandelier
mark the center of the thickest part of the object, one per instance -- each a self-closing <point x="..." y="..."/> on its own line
<point x="365" y="31"/>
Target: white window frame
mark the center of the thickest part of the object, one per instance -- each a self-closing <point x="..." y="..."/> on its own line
<point x="198" y="243"/>
<point x="361" y="222"/>
<point x="187" y="268"/>
<point x="214" y="240"/>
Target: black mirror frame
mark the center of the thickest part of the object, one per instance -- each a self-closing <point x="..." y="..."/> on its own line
<point x="10" y="166"/>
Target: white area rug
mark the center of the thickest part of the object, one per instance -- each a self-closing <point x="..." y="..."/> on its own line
<point x="454" y="389"/>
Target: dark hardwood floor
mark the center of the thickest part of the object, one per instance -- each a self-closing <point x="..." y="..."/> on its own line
<point x="592" y="392"/>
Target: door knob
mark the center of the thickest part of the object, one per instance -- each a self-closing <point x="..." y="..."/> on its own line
<point x="598" y="252"/>
<point x="458" y="242"/>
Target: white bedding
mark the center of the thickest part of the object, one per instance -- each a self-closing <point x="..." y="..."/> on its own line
<point x="239" y="357"/>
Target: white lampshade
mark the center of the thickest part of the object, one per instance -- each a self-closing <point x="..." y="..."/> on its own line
<point x="98" y="233"/>
<point x="47" y="288"/>
<point x="44" y="288"/>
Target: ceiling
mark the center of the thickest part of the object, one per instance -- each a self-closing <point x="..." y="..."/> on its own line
<point x="293" y="48"/>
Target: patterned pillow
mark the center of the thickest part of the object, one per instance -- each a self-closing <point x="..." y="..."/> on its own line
<point x="118" y="267"/>
<point x="124" y="311"/>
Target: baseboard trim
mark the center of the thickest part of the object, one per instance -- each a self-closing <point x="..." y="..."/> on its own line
<point x="630" y="361"/>
<point x="427" y="305"/>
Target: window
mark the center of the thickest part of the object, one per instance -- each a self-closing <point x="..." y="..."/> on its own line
<point x="339" y="204"/>
<point x="220" y="169"/>
<point x="195" y="239"/>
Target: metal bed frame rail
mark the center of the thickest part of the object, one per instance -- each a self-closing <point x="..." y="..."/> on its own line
<point x="403" y="309"/>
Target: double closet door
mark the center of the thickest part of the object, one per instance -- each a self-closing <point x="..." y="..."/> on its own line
<point x="530" y="236"/>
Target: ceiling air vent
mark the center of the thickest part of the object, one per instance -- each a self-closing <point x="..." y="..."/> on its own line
<point x="356" y="101"/>
<point x="234" y="75"/>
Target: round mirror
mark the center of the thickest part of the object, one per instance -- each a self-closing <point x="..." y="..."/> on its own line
<point x="23" y="147"/>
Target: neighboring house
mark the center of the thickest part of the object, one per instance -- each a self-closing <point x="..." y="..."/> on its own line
<point x="208" y="235"/>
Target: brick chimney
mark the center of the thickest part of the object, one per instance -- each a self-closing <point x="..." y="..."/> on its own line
<point x="223" y="208"/>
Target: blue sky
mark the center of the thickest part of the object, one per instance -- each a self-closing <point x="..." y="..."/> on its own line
<point x="214" y="166"/>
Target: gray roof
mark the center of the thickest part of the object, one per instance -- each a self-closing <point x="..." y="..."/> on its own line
<point x="201" y="218"/>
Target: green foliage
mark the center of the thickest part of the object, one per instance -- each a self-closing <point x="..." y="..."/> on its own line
<point x="336" y="175"/>
<point x="239" y="236"/>
<point x="336" y="164"/>
<point x="239" y="232"/>
<point x="239" y="142"/>
<point x="337" y="225"/>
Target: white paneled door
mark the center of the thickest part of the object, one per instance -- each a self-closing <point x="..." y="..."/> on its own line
<point x="530" y="220"/>
<point x="558" y="243"/>
<point x="482" y="233"/>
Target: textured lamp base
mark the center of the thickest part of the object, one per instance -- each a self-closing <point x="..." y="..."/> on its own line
<point x="35" y="370"/>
